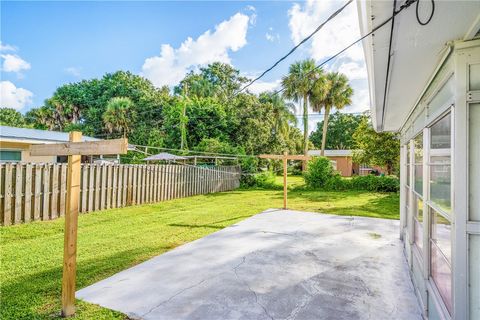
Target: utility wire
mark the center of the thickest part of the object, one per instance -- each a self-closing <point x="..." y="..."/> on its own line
<point x="193" y="151"/>
<point x="333" y="15"/>
<point x="407" y="4"/>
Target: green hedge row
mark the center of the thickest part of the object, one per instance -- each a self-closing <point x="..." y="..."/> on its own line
<point x="321" y="175"/>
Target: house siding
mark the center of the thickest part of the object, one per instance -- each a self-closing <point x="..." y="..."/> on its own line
<point x="453" y="93"/>
<point x="26" y="157"/>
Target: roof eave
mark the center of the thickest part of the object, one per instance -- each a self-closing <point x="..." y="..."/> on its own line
<point x="365" y="23"/>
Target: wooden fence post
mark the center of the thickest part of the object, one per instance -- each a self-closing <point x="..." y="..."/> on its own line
<point x="71" y="224"/>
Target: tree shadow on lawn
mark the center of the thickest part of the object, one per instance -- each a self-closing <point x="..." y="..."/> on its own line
<point x="379" y="205"/>
<point x="38" y="296"/>
<point x="212" y="225"/>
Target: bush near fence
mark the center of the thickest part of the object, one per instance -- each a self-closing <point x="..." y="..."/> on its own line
<point x="30" y="192"/>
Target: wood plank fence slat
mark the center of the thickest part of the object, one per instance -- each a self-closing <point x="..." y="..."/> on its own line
<point x="18" y="192"/>
<point x="97" y="187"/>
<point x="7" y="211"/>
<point x="109" y="186"/>
<point x="27" y="215"/>
<point x="83" y="189"/>
<point x="90" y="195"/>
<point x="37" y="200"/>
<point x="63" y="188"/>
<point x="54" y="209"/>
<point x="46" y="192"/>
<point x="38" y="191"/>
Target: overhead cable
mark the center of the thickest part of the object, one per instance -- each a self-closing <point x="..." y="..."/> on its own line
<point x="333" y="15"/>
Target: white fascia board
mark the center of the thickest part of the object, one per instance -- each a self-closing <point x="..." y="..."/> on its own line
<point x="364" y="8"/>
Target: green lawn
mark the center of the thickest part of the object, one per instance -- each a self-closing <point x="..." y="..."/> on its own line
<point x="113" y="240"/>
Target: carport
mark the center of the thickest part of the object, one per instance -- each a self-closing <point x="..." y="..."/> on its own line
<point x="279" y="264"/>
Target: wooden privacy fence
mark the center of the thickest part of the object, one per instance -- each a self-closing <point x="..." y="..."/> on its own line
<point x="30" y="192"/>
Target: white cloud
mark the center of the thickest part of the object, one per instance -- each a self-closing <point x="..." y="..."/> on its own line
<point x="360" y="100"/>
<point x="253" y="14"/>
<point x="272" y="36"/>
<point x="353" y="70"/>
<point x="334" y="36"/>
<point x="7" y="47"/>
<point x="13" y="97"/>
<point x="262" y="86"/>
<point x="74" y="71"/>
<point x="171" y="65"/>
<point x="13" y="63"/>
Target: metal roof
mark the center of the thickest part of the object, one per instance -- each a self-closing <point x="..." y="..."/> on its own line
<point x="332" y="153"/>
<point x="211" y="157"/>
<point x="163" y="156"/>
<point x="28" y="135"/>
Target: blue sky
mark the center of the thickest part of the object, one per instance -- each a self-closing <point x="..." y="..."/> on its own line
<point x="47" y="44"/>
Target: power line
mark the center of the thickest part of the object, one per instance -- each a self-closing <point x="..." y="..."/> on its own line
<point x="333" y="15"/>
<point x="193" y="151"/>
<point x="407" y="4"/>
<point x="322" y="114"/>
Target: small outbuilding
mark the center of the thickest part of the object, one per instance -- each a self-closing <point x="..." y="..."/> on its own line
<point x="165" y="156"/>
<point x="342" y="161"/>
<point x="15" y="143"/>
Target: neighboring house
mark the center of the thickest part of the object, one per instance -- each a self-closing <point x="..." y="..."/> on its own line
<point x="342" y="161"/>
<point x="425" y="84"/>
<point x="15" y="142"/>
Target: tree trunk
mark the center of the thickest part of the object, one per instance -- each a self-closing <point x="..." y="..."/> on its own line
<point x="183" y="129"/>
<point x="305" y="131"/>
<point x="324" y="132"/>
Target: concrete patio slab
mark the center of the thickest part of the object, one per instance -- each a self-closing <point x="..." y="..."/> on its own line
<point x="279" y="264"/>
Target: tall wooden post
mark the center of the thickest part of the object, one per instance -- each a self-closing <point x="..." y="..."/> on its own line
<point x="285" y="154"/>
<point x="285" y="157"/>
<point x="71" y="225"/>
<point x="74" y="150"/>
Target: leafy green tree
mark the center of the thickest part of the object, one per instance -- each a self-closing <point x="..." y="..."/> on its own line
<point x="298" y="87"/>
<point x="82" y="104"/>
<point x="45" y="118"/>
<point x="119" y="115"/>
<point x="11" y="117"/>
<point x="341" y="127"/>
<point x="376" y="148"/>
<point x="283" y="112"/>
<point x="212" y="145"/>
<point x="207" y="118"/>
<point x="204" y="107"/>
<point x="218" y="80"/>
<point x="338" y="94"/>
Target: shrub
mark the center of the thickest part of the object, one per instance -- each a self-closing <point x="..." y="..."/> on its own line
<point x="295" y="169"/>
<point x="249" y="167"/>
<point x="319" y="171"/>
<point x="376" y="183"/>
<point x="321" y="175"/>
<point x="338" y="183"/>
<point x="264" y="180"/>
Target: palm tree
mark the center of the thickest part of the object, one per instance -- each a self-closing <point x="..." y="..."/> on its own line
<point x="283" y="112"/>
<point x="297" y="86"/>
<point x="335" y="93"/>
<point x="119" y="115"/>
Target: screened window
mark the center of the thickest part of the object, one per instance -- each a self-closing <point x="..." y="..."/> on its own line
<point x="418" y="163"/>
<point x="440" y="163"/>
<point x="408" y="164"/>
<point x="10" y="156"/>
<point x="418" y="223"/>
<point x="441" y="255"/>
